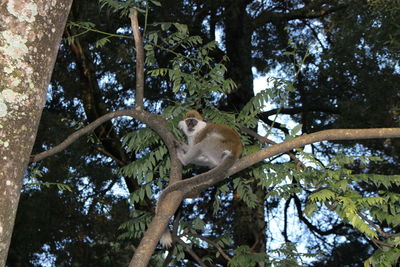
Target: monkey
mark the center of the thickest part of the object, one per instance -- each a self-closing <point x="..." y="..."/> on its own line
<point x="216" y="146"/>
<point x="208" y="143"/>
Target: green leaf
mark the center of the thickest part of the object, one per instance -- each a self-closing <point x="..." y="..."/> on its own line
<point x="148" y="191"/>
<point x="198" y="224"/>
<point x="181" y="27"/>
<point x="296" y="129"/>
<point x="156" y="3"/>
<point x="102" y="42"/>
<point x="165" y="26"/>
<point x="310" y="209"/>
<point x="322" y="195"/>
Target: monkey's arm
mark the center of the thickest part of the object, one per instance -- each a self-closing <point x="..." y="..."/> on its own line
<point x="192" y="155"/>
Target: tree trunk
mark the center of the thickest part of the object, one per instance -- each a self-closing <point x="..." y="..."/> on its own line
<point x="238" y="34"/>
<point x="30" y="34"/>
<point x="249" y="225"/>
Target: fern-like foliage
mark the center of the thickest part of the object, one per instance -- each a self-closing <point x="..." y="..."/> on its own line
<point x="135" y="227"/>
<point x="199" y="82"/>
<point x="244" y="257"/>
<point x="337" y="191"/>
<point x="245" y="192"/>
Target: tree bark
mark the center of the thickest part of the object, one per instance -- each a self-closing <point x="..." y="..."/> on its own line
<point x="30" y="34"/>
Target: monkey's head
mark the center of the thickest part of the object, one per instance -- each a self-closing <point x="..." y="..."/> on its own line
<point x="192" y="123"/>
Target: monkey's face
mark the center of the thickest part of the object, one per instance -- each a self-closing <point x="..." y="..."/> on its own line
<point x="192" y="126"/>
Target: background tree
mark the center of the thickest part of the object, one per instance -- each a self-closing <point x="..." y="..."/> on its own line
<point x="348" y="47"/>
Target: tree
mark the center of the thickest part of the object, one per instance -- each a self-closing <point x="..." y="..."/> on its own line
<point x="171" y="51"/>
<point x="28" y="47"/>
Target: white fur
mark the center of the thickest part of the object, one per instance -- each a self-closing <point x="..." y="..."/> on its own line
<point x="166" y="239"/>
<point x="191" y="134"/>
<point x="207" y="153"/>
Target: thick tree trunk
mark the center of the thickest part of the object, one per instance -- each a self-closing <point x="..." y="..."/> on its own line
<point x="249" y="225"/>
<point x="238" y="34"/>
<point x="30" y="34"/>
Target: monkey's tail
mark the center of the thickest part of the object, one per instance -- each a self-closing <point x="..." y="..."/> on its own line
<point x="195" y="185"/>
<point x="166" y="239"/>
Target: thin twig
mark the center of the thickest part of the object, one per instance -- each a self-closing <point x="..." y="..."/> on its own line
<point x="191" y="252"/>
<point x="373" y="225"/>
<point x="108" y="154"/>
<point x="226" y="256"/>
<point x="88" y="29"/>
<point x="379" y="243"/>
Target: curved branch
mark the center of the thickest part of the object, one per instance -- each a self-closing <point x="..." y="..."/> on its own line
<point x="326" y="135"/>
<point x="154" y="121"/>
<point x="310" y="225"/>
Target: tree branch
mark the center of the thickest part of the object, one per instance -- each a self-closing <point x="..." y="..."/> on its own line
<point x="309" y="224"/>
<point x="263" y="139"/>
<point x="380" y="243"/>
<point x="285" y="219"/>
<point x="326" y="135"/>
<point x="154" y="121"/>
<point x="315" y="9"/>
<point x="209" y="241"/>
<point x="156" y="228"/>
<point x="102" y="150"/>
<point x="191" y="252"/>
<point x="373" y="225"/>
<point x="139" y="60"/>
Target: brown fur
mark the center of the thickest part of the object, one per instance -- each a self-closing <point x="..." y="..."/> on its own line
<point x="230" y="138"/>
<point x="193" y="113"/>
